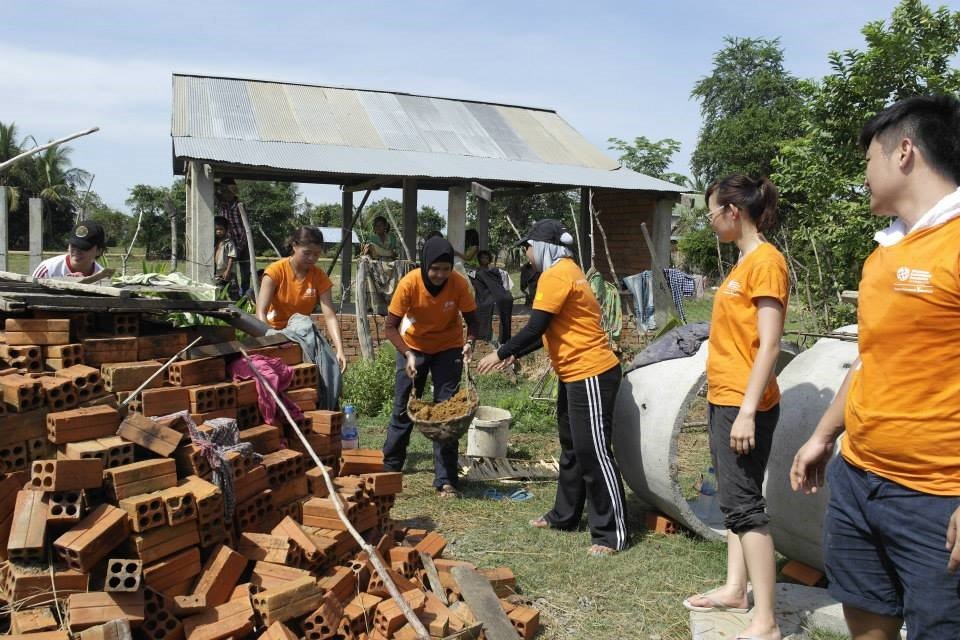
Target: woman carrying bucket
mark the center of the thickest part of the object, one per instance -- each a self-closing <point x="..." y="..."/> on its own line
<point x="745" y="330"/>
<point x="432" y="300"/>
<point x="565" y="317"/>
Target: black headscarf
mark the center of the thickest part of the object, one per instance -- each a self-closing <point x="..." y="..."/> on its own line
<point x="435" y="250"/>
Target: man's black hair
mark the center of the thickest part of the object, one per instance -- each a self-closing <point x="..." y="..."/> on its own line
<point x="931" y="122"/>
<point x="221" y="221"/>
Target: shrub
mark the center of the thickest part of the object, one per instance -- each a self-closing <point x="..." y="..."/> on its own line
<point x="368" y="385"/>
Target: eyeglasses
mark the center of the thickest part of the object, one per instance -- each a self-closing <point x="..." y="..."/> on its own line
<point x="713" y="212"/>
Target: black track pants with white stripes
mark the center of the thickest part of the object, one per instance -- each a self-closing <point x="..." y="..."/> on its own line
<point x="588" y="472"/>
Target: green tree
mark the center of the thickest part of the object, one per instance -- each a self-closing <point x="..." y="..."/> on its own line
<point x="750" y="106"/>
<point x="272" y="207"/>
<point x="117" y="225"/>
<point x="648" y="157"/>
<point x="829" y="228"/>
<point x="428" y="220"/>
<point x="159" y="205"/>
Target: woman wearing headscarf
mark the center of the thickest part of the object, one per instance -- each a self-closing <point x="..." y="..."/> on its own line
<point x="431" y="299"/>
<point x="565" y="317"/>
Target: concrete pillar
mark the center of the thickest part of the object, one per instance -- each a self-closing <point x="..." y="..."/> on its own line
<point x="483" y="222"/>
<point x="410" y="217"/>
<point x="586" y="223"/>
<point x="346" y="255"/>
<point x="36" y="233"/>
<point x="660" y="233"/>
<point x="4" y="230"/>
<point x="200" y="211"/>
<point x="457" y="217"/>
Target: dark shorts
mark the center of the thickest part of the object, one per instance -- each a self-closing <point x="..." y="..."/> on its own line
<point x="740" y="477"/>
<point x="884" y="551"/>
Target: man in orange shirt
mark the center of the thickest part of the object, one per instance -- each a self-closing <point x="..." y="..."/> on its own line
<point x="890" y="532"/>
<point x="431" y="299"/>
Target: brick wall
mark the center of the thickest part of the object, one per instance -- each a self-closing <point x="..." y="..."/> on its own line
<point x="621" y="213"/>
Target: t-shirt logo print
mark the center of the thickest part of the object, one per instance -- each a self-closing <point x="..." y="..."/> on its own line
<point x="310" y="293"/>
<point x="448" y="305"/>
<point x="733" y="287"/>
<point x="912" y="281"/>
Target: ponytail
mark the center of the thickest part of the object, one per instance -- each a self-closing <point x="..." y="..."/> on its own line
<point x="756" y="197"/>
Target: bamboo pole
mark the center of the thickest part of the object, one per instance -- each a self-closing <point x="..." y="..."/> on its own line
<point x="248" y="232"/>
<point x="371" y="551"/>
<point x="136" y="392"/>
<point x="27" y="154"/>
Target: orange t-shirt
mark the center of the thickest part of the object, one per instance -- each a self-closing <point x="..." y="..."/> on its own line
<point x="435" y="323"/>
<point x="577" y="344"/>
<point x="292" y="295"/>
<point x="734" y="339"/>
<point x="902" y="414"/>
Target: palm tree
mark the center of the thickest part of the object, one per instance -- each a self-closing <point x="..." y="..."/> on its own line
<point x="9" y="147"/>
<point x="58" y="184"/>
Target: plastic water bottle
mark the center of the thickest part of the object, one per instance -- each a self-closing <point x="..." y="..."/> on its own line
<point x="707" y="507"/>
<point x="349" y="436"/>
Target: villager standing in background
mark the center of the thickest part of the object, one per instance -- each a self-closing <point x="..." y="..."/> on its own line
<point x="382" y="243"/>
<point x="431" y="299"/>
<point x="296" y="285"/>
<point x="891" y="545"/>
<point x="745" y="331"/>
<point x="566" y="318"/>
<point x="229" y="207"/>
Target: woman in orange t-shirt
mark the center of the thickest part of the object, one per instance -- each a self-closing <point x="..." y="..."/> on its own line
<point x="565" y="318"/>
<point x="295" y="285"/>
<point x="431" y="299"/>
<point x="745" y="330"/>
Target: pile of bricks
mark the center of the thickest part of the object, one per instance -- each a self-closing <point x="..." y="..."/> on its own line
<point x="114" y="524"/>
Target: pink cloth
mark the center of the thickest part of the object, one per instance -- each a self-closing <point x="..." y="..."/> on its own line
<point x="278" y="375"/>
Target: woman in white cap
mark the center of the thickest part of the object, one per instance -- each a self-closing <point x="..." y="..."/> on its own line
<point x="87" y="243"/>
<point x="565" y="317"/>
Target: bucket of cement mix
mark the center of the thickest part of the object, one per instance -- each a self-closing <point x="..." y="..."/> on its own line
<point x="489" y="432"/>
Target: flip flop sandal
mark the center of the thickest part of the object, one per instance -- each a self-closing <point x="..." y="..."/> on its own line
<point x="447" y="491"/>
<point x="493" y="494"/>
<point x="600" y="551"/>
<point x="714" y="604"/>
<point x="520" y="495"/>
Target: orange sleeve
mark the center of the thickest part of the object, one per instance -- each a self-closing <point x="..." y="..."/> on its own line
<point x="322" y="282"/>
<point x="275" y="271"/>
<point x="552" y="292"/>
<point x="769" y="280"/>
<point x="466" y="302"/>
<point x="400" y="302"/>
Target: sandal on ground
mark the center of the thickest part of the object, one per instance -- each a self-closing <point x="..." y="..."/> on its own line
<point x="540" y="523"/>
<point x="447" y="491"/>
<point x="714" y="604"/>
<point x="599" y="551"/>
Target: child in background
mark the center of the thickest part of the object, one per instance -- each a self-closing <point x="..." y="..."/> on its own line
<point x="224" y="257"/>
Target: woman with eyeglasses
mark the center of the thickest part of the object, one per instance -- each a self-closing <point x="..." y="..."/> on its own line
<point x="296" y="285"/>
<point x="745" y="331"/>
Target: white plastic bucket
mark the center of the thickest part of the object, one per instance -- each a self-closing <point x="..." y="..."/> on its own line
<point x="489" y="433"/>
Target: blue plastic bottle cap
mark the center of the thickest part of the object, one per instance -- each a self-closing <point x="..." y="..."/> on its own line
<point x="348" y="408"/>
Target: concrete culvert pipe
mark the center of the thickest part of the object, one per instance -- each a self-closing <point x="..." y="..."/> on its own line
<point x="661" y="440"/>
<point x="807" y="385"/>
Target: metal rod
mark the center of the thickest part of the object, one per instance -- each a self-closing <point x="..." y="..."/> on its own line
<point x="372" y="553"/>
<point x="166" y="365"/>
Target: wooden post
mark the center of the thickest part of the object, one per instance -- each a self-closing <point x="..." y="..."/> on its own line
<point x="585" y="224"/>
<point x="483" y="222"/>
<point x="662" y="219"/>
<point x="457" y="217"/>
<point x="36" y="233"/>
<point x="346" y="240"/>
<point x="4" y="229"/>
<point x="410" y="216"/>
<point x="200" y="212"/>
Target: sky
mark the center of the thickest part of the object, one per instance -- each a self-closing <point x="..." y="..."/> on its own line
<point x="611" y="69"/>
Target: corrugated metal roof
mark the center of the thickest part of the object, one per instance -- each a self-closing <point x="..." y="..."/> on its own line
<point x="330" y="130"/>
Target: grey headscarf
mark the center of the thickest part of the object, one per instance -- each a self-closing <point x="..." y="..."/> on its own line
<point x="546" y="254"/>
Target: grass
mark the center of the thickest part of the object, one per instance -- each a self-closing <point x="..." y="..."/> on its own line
<point x="636" y="594"/>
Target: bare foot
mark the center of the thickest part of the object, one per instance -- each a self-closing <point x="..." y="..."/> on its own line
<point x="599" y="550"/>
<point x="760" y="632"/>
<point x="540" y="523"/>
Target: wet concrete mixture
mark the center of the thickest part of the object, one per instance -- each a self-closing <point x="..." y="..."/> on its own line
<point x="457" y="406"/>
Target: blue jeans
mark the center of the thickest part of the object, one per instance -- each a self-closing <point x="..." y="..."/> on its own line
<point x="884" y="551"/>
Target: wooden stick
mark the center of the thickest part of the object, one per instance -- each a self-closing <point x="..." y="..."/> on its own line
<point x="66" y="284"/>
<point x="606" y="247"/>
<point x="393" y="223"/>
<point x="348" y="236"/>
<point x="250" y="251"/>
<point x="372" y="553"/>
<point x="27" y="154"/>
<point x="267" y="238"/>
<point x="576" y="230"/>
<point x="156" y="373"/>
